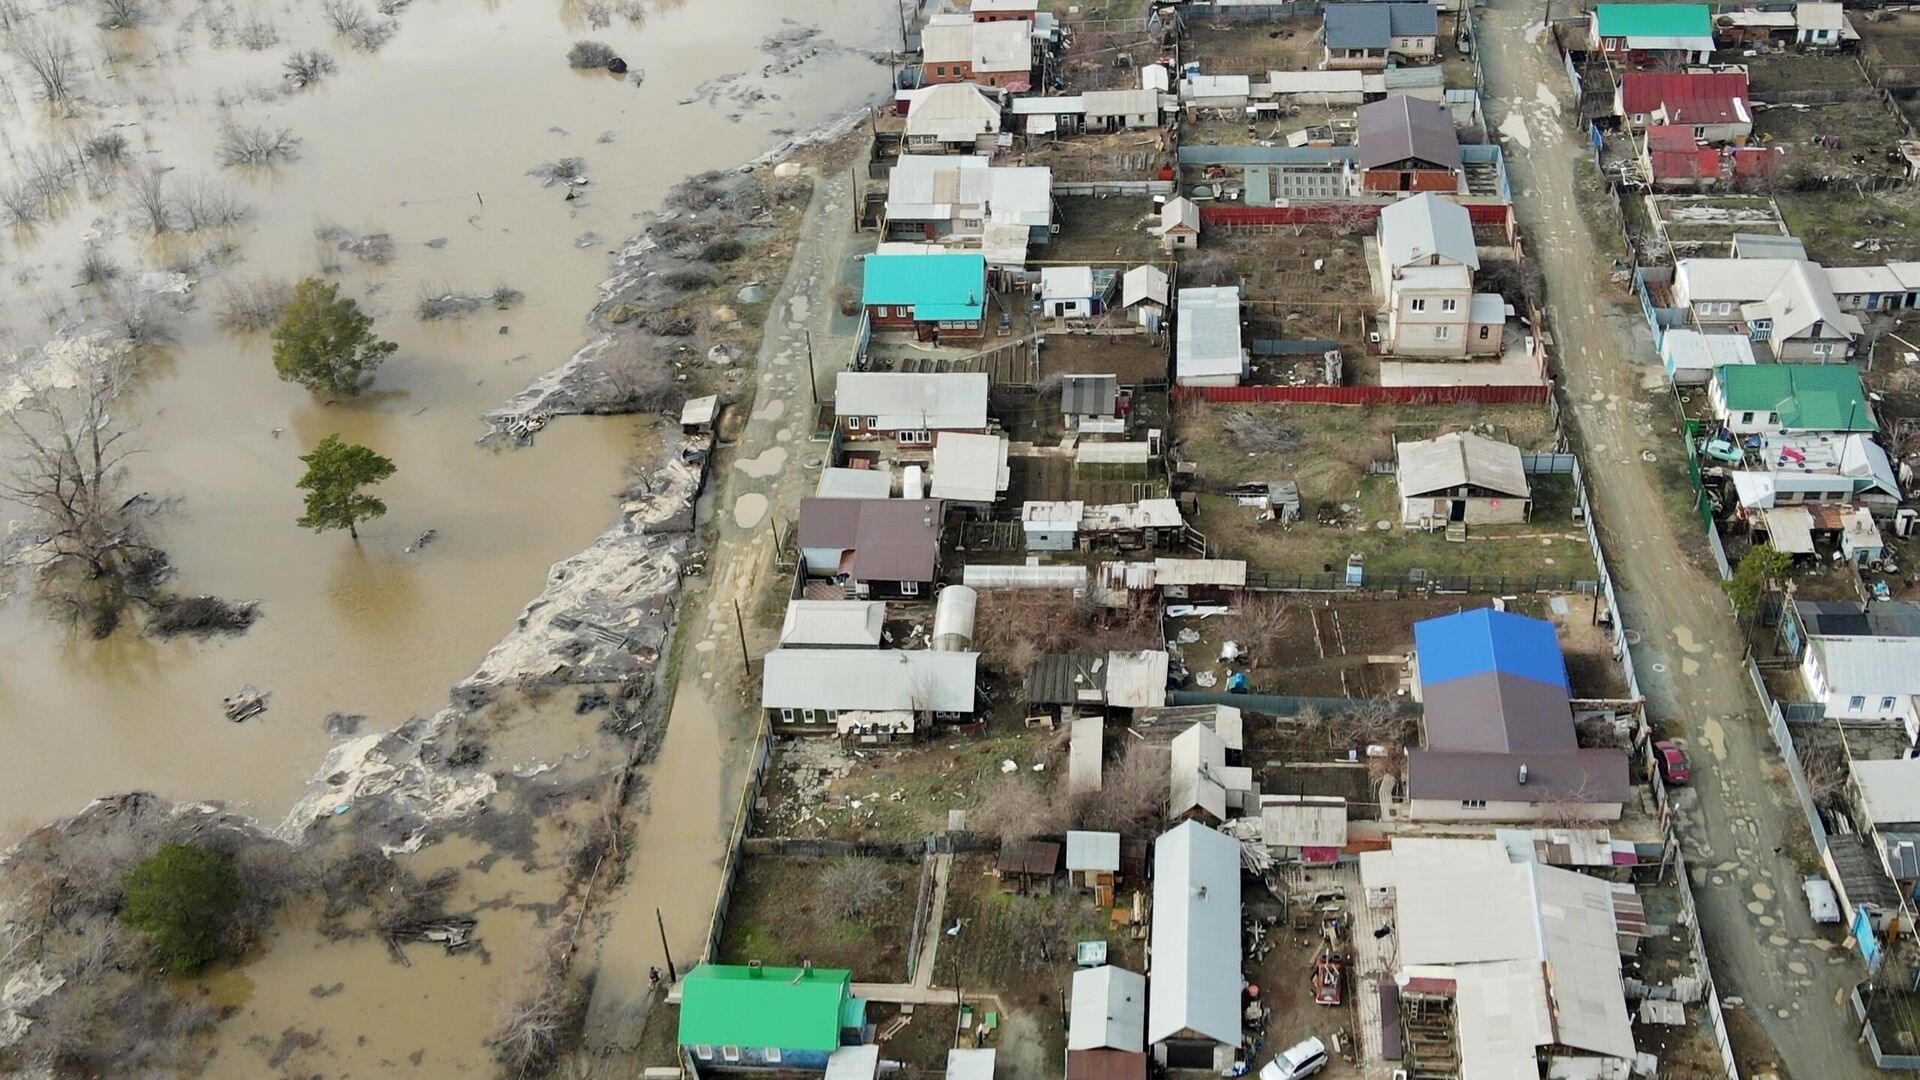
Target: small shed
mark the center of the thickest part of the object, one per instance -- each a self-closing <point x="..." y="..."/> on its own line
<point x="1137" y="678"/>
<point x="1691" y="357"/>
<point x="1069" y="292"/>
<point x="1051" y="526"/>
<point x="1090" y="397"/>
<point x="1086" y="759"/>
<point x="1093" y="859"/>
<point x="1179" y="224"/>
<point x="1143" y="295"/>
<point x="698" y="414"/>
<point x="1025" y="864"/>
<point x="1304" y="828"/>
<point x="1207" y="348"/>
<point x="970" y="1064"/>
<point x="1462" y="478"/>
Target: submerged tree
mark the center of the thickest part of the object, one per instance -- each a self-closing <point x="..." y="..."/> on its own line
<point x="85" y="536"/>
<point x="336" y="471"/>
<point x="324" y="342"/>
<point x="183" y="897"/>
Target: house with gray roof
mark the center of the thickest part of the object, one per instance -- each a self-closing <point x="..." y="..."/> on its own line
<point x="1407" y="144"/>
<point x="1207" y="349"/>
<point x="862" y="691"/>
<point x="1428" y="258"/>
<point x="1461" y="477"/>
<point x="1362" y="37"/>
<point x="1193" y="1004"/>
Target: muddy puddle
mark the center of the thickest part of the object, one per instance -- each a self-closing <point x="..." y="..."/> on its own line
<point x="429" y="141"/>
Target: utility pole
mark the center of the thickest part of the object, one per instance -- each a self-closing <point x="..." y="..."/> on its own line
<point x="813" y="380"/>
<point x="673" y="974"/>
<point x="902" y="12"/>
<point x="740" y="625"/>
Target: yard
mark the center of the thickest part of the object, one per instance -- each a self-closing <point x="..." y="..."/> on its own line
<point x="1104" y="231"/>
<point x="1120" y="155"/>
<point x="1705" y="225"/>
<point x="1108" y="42"/>
<point x="784" y="911"/>
<point x="1843" y="228"/>
<point x="1834" y="143"/>
<point x="1248" y="48"/>
<point x="1295" y="282"/>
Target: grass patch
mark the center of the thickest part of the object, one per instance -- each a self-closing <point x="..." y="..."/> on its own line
<point x="780" y="915"/>
<point x="1102" y="231"/>
<point x="1830" y="223"/>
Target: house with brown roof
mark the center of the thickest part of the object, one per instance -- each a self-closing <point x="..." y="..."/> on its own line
<point x="1407" y="144"/>
<point x="873" y="547"/>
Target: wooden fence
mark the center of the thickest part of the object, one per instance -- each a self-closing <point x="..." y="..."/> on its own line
<point x="1538" y="394"/>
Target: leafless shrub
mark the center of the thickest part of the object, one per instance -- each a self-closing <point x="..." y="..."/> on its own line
<point x="1038" y="929"/>
<point x="151" y="201"/>
<point x="256" y="144"/>
<point x="108" y="149"/>
<point x="139" y="321"/>
<point x="686" y="280"/>
<point x="1132" y="793"/>
<point x="636" y="381"/>
<point x="724" y="249"/>
<point x="254" y="305"/>
<point x="96" y="267"/>
<point x="21" y="202"/>
<point x="698" y="192"/>
<point x="855" y="886"/>
<point x="599" y="14"/>
<point x="13" y="14"/>
<point x="200" y="616"/>
<point x="1825" y="768"/>
<point x="309" y="66"/>
<point x="211" y="206"/>
<point x="563" y="171"/>
<point x="445" y="303"/>
<point x="1016" y="808"/>
<point x="257" y="35"/>
<point x="1262" y="431"/>
<point x="121" y="14"/>
<point x="356" y="24"/>
<point x="1374" y="722"/>
<point x="634" y="12"/>
<point x="590" y="55"/>
<point x="539" y="1026"/>
<point x="50" y="56"/>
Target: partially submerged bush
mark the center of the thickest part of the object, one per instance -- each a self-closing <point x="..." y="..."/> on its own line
<point x="308" y="66"/>
<point x="725" y="249"/>
<point x="590" y="55"/>
<point x="687" y="280"/>
<point x="256" y="144"/>
<point x="175" y="615"/>
<point x="183" y="898"/>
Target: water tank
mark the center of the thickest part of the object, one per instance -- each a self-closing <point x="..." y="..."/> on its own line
<point x="912" y="486"/>
<point x="953" y="619"/>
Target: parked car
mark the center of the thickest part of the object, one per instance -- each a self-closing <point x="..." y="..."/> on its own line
<point x="1303" y="1058"/>
<point x="1822" y="903"/>
<point x="1675" y="767"/>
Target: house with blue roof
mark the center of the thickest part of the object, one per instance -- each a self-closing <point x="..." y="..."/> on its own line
<point x="934" y="294"/>
<point x="1498" y="740"/>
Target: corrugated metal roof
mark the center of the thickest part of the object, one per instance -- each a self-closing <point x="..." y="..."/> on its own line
<point x="841" y="483"/>
<point x="1459" y="459"/>
<point x="788" y="1008"/>
<point x="1653" y="20"/>
<point x="1089" y="395"/>
<point x="1109" y="1010"/>
<point x="1196" y="777"/>
<point x="1294" y="821"/>
<point x="888" y="539"/>
<point x="1122" y="102"/>
<point x="1400" y="127"/>
<point x="1850" y="618"/>
<point x="937" y="287"/>
<point x="1196" y="936"/>
<point x="1593" y="778"/>
<point x="1890" y="790"/>
<point x="1209" y="333"/>
<point x="971" y="1063"/>
<point x="1143" y="283"/>
<point x="1086" y="761"/>
<point x="969" y="467"/>
<point x="1687" y="97"/>
<point x="1231" y="573"/>
<point x="1868" y="665"/>
<point x="1808" y="397"/>
<point x="1483" y="640"/>
<point x="1067" y="678"/>
<point x="1790" y="529"/>
<point x="876" y="680"/>
<point x="1414" y="231"/>
<point x="933" y="401"/>
<point x="1099" y="852"/>
<point x="1017" y="576"/>
<point x="1137" y="679"/>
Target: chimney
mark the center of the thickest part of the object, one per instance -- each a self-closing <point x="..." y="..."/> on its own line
<point x="1523" y="774"/>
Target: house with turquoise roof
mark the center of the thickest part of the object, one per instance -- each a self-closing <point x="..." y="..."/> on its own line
<point x="937" y="295"/>
<point x="1636" y="34"/>
<point x="747" y="1016"/>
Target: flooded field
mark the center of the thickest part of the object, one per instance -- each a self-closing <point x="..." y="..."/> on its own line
<point x="428" y="140"/>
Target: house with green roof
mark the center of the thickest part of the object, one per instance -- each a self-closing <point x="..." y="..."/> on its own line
<point x="934" y="294"/>
<point x="746" y="1016"/>
<point x="1642" y="33"/>
<point x="1766" y="399"/>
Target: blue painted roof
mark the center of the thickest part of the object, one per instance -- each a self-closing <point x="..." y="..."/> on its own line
<point x="1484" y="640"/>
<point x="937" y="287"/>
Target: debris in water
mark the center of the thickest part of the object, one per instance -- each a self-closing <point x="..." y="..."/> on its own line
<point x="250" y="701"/>
<point x="586" y="240"/>
<point x="437" y="243"/>
<point x="422" y="540"/>
<point x="343" y="724"/>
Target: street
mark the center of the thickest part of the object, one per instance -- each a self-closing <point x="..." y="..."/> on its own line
<point x="1737" y="823"/>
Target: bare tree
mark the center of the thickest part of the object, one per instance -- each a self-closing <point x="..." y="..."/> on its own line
<point x="1132" y="794"/>
<point x="1258" y="623"/>
<point x="87" y="537"/>
<point x="1376" y="721"/>
<point x="256" y="144"/>
<point x="855" y="886"/>
<point x="50" y="56"/>
<point x="1015" y="808"/>
<point x="1825" y="768"/>
<point x="309" y="66"/>
<point x="147" y="193"/>
<point x="121" y="14"/>
<point x="253" y="305"/>
<point x="537" y="1027"/>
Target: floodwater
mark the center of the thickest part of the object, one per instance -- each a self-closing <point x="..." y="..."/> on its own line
<point x="430" y="137"/>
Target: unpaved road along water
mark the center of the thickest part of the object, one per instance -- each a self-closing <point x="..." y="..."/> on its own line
<point x="428" y="139"/>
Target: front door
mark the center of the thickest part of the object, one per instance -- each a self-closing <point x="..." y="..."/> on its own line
<point x="1457" y="510"/>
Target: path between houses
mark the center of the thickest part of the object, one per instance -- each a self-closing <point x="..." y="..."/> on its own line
<point x="1734" y="819"/>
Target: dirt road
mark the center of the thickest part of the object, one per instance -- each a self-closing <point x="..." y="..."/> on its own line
<point x="1735" y="819"/>
<point x="694" y="788"/>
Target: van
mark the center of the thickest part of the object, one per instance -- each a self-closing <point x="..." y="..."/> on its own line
<point x="1303" y="1058"/>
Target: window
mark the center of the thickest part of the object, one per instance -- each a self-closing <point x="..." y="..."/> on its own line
<point x="704" y="1053"/>
<point x="1726" y="307"/>
<point x="786" y="716"/>
<point x="872" y="422"/>
<point x="772" y="1055"/>
<point x="1473" y="804"/>
<point x="1418" y="304"/>
<point x="1699" y="132"/>
<point x="1486" y="332"/>
<point x="1442" y="333"/>
<point x="940" y="70"/>
<point x="853" y="423"/>
<point x="1639" y="118"/>
<point x="909" y="588"/>
<point x="1886" y="704"/>
<point x="1857" y="703"/>
<point x="1746" y="418"/>
<point x="730" y="1053"/>
<point x="1449" y="305"/>
<point x="970" y="223"/>
<point x="808" y="715"/>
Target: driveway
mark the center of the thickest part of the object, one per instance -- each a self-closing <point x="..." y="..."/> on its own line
<point x="1737" y="820"/>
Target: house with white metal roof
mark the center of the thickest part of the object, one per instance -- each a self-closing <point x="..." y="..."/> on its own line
<point x="1788" y="303"/>
<point x="1691" y="357"/>
<point x="1108" y="1009"/>
<point x="1865" y="678"/>
<point x="910" y="406"/>
<point x="1086" y="763"/>
<point x="1428" y="258"/>
<point x="1207" y="349"/>
<point x="1121" y="110"/>
<point x="1075" y="292"/>
<point x="951" y="118"/>
<point x="1143" y="295"/>
<point x="1309" y="829"/>
<point x="1202" y="786"/>
<point x="1179" y="224"/>
<point x="1193" y="1008"/>
<point x="844" y="483"/>
<point x="1136" y="678"/>
<point x="1461" y="477"/>
<point x="816" y="686"/>
<point x="970" y="469"/>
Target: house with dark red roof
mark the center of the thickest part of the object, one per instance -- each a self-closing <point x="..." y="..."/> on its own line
<point x="1713" y="105"/>
<point x="1673" y="158"/>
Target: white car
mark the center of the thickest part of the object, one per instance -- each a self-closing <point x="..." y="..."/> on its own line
<point x="1303" y="1058"/>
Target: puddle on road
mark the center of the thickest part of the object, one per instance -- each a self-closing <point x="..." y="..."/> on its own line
<point x="748" y="509"/>
<point x="1683" y="635"/>
<point x="1715" y="737"/>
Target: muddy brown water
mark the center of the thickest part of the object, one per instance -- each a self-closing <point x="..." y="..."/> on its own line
<point x="460" y="103"/>
<point x="431" y="137"/>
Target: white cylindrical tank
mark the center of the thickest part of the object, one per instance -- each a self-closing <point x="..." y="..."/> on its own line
<point x="912" y="484"/>
<point x="953" y="618"/>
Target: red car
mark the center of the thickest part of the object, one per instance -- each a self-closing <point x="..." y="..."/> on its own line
<point x="1675" y="768"/>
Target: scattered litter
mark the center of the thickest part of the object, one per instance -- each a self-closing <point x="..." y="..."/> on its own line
<point x="1229" y="650"/>
<point x="1008" y="766"/>
<point x="1205" y="678"/>
<point x="1187" y="636"/>
<point x="250" y="701"/>
<point x="1039" y="766"/>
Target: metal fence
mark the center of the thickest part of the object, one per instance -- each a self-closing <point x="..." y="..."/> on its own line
<point x="736" y="847"/>
<point x="1416" y="582"/>
<point x="1366" y="395"/>
<point x="1282" y="704"/>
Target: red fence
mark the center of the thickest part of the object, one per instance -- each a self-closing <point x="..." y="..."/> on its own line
<point x="1366" y="395"/>
<point x="1214" y="215"/>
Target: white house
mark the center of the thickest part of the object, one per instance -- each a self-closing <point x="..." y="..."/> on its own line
<point x="1143" y="296"/>
<point x="1428" y="257"/>
<point x="1865" y="678"/>
<point x="1821" y="25"/>
<point x="1788" y="303"/>
<point x="1207" y="350"/>
<point x="951" y="118"/>
<point x="819" y="686"/>
<point x="1201" y="785"/>
<point x="1072" y="292"/>
<point x="1179" y="224"/>
<point x="970" y="469"/>
<point x="833" y="624"/>
<point x="1193" y="1010"/>
<point x="1109" y="1005"/>
<point x="910" y="406"/>
<point x="1461" y="477"/>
